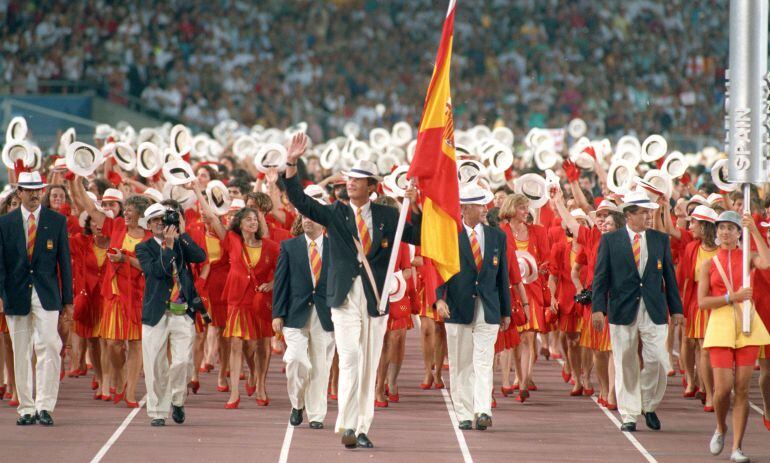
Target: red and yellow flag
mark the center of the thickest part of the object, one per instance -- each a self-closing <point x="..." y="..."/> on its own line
<point x="434" y="164"/>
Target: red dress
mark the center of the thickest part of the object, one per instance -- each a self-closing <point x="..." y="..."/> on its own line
<point x="589" y="239"/>
<point x="88" y="273"/>
<point x="400" y="314"/>
<point x="212" y="289"/>
<point x="562" y="257"/>
<point x="249" y="312"/>
<point x="538" y="295"/>
<point x="510" y="338"/>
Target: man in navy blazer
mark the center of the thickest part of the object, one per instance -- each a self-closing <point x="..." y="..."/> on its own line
<point x="359" y="328"/>
<point x="635" y="287"/>
<point x="475" y="303"/>
<point x="36" y="283"/>
<point x="300" y="312"/>
<point x="167" y="312"/>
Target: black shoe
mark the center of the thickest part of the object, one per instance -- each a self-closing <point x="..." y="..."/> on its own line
<point x="349" y="439"/>
<point x="466" y="425"/>
<point x="363" y="441"/>
<point x="296" y="416"/>
<point x="652" y="421"/>
<point x="177" y="413"/>
<point x="483" y="421"/>
<point x="158" y="422"/>
<point x="26" y="420"/>
<point x="316" y="425"/>
<point x="628" y="427"/>
<point x="44" y="418"/>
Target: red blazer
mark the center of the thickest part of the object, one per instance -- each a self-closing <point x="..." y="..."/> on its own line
<point x="241" y="280"/>
<point x="539" y="247"/>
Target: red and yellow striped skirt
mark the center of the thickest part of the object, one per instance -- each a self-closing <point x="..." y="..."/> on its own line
<point x="116" y="323"/>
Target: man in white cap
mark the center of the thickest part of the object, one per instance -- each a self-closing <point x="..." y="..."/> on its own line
<point x="632" y="266"/>
<point x="475" y="304"/>
<point x="361" y="239"/>
<point x="35" y="284"/>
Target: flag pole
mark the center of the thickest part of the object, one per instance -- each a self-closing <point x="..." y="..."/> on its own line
<point x="394" y="254"/>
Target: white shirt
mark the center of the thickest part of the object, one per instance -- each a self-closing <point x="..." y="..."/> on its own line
<point x="25" y="215"/>
<point x="479" y="229"/>
<point x="366" y="213"/>
<point x="319" y="246"/>
<point x="642" y="247"/>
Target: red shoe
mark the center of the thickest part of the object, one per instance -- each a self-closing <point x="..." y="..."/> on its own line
<point x="506" y="391"/>
<point x="688" y="394"/>
<point x="112" y="390"/>
<point x="224" y="388"/>
<point x="601" y="402"/>
<point x="445" y="366"/>
<point x="494" y="403"/>
<point x="130" y="404"/>
<point x="89" y="366"/>
<point x="106" y="398"/>
<point x="576" y="392"/>
<point x="670" y="373"/>
<point x="195" y="385"/>
<point x="439" y="386"/>
<point x="117" y="398"/>
<point x="233" y="405"/>
<point x="393" y="398"/>
<point x="588" y="392"/>
<point x="710" y="409"/>
<point x="8" y="395"/>
<point x="208" y="366"/>
<point x="263" y="403"/>
<point x="13" y="403"/>
<point x="702" y="396"/>
<point x="612" y="406"/>
<point x="94" y="384"/>
<point x="250" y="390"/>
<point x="242" y="377"/>
<point x="764" y="420"/>
<point x="523" y="395"/>
<point x="533" y="387"/>
<point x="98" y="396"/>
<point x="378" y="404"/>
<point x="572" y="381"/>
<point x="565" y="376"/>
<point x="557" y="356"/>
<point x="515" y="386"/>
<point x="425" y="387"/>
<point x="202" y="370"/>
<point x="333" y="397"/>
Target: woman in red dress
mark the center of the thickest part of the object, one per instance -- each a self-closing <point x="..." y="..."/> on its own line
<point x="523" y="236"/>
<point x="248" y="292"/>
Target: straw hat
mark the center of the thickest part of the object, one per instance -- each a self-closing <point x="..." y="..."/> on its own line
<point x="181" y="140"/>
<point x="527" y="266"/>
<point x="475" y="195"/>
<point x="271" y="155"/>
<point x="534" y="187"/>
<point x="653" y="148"/>
<point x="619" y="175"/>
<point x="719" y="176"/>
<point x="178" y="172"/>
<point x="148" y="159"/>
<point x="674" y="165"/>
<point x="17" y="150"/>
<point x="17" y="130"/>
<point x="637" y="198"/>
<point x="469" y="171"/>
<point x="83" y="159"/>
<point x="218" y="197"/>
<point x="401" y="134"/>
<point x="577" y="128"/>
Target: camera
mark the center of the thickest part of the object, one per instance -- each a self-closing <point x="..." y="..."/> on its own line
<point x="171" y="218"/>
<point x="583" y="297"/>
<point x="197" y="306"/>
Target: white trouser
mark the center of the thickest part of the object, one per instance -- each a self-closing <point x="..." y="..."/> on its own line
<point x="38" y="328"/>
<point x="359" y="340"/>
<point x="309" y="355"/>
<point x="471" y="351"/>
<point x="637" y="391"/>
<point x="167" y="385"/>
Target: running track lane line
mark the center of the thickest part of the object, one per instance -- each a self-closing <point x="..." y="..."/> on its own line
<point x="286" y="444"/>
<point x="638" y="445"/>
<point x="756" y="408"/>
<point x="106" y="447"/>
<point x="455" y="425"/>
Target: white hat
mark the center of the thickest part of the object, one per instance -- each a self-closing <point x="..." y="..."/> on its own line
<point x="469" y="171"/>
<point x="178" y="172"/>
<point x="401" y="134"/>
<point x="652" y="191"/>
<point x="236" y="205"/>
<point x="579" y="214"/>
<point x="637" y="198"/>
<point x="271" y="155"/>
<point x="218" y="197"/>
<point x="153" y="211"/>
<point x="124" y="155"/>
<point x="17" y="149"/>
<point x="719" y="176"/>
<point x="698" y="199"/>
<point x="37" y="158"/>
<point x="714" y="198"/>
<point x="128" y="135"/>
<point x="357" y="150"/>
<point x="627" y="153"/>
<point x="30" y="181"/>
<point x="148" y="159"/>
<point x="534" y="187"/>
<point x="629" y="142"/>
<point x="379" y="138"/>
<point x="153" y="194"/>
<point x="619" y="175"/>
<point x="318" y="193"/>
<point x="351" y="129"/>
<point x="500" y="156"/>
<point x="245" y="146"/>
<point x="112" y="194"/>
<point x="577" y="128"/>
<point x="396" y="181"/>
<point x="653" y="148"/>
<point x="17" y="130"/>
<point x="66" y="139"/>
<point x="362" y="169"/>
<point x="60" y="165"/>
<point x="583" y="154"/>
<point x="185" y="197"/>
<point x="200" y="146"/>
<point x="504" y="135"/>
<point x="103" y="132"/>
<point x="661" y="181"/>
<point x="475" y="195"/>
<point x="674" y="165"/>
<point x="398" y="288"/>
<point x="388" y="160"/>
<point x="704" y="214"/>
<point x="330" y="155"/>
<point x="151" y="135"/>
<point x="180" y="139"/>
<point x="527" y="266"/>
<point x="604" y="205"/>
<point x="546" y="157"/>
<point x="552" y="180"/>
<point x="83" y="159"/>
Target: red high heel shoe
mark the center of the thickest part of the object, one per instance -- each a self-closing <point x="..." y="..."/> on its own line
<point x="233" y="405"/>
<point x="130" y="404"/>
<point x="195" y="386"/>
<point x="8" y="395"/>
<point x="506" y="391"/>
<point x="565" y="376"/>
<point x="515" y="386"/>
<point x="612" y="406"/>
<point x="112" y="391"/>
<point x="117" y="398"/>
<point x="494" y="403"/>
<point x="94" y="384"/>
<point x="242" y="377"/>
<point x="710" y="409"/>
<point x="263" y="403"/>
<point x="202" y="369"/>
<point x="426" y="386"/>
<point x="557" y="356"/>
<point x="765" y="421"/>
<point x="224" y="388"/>
<point x="13" y="403"/>
<point x="438" y="386"/>
<point x="250" y="390"/>
<point x="98" y="396"/>
<point x="106" y="398"/>
<point x="572" y="381"/>
<point x="533" y="387"/>
<point x="523" y="395"/>
<point x="208" y="366"/>
<point x="545" y="353"/>
<point x="689" y="394"/>
<point x="393" y="398"/>
<point x="333" y="397"/>
<point x="378" y="404"/>
<point x="601" y="402"/>
<point x="588" y="392"/>
<point x="576" y="392"/>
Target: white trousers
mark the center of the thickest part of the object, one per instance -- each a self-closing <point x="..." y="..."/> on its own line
<point x="37" y="329"/>
<point x="471" y="351"/>
<point x="167" y="384"/>
<point x="359" y="339"/>
<point x="309" y="355"/>
<point x="637" y="391"/>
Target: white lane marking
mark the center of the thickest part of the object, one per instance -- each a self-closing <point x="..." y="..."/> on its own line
<point x="458" y="434"/>
<point x="756" y="408"/>
<point x="638" y="445"/>
<point x="286" y="444"/>
<point x="106" y="447"/>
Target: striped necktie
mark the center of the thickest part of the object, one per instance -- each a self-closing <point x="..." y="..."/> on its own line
<point x="315" y="262"/>
<point x="363" y="232"/>
<point x="31" y="234"/>
<point x="637" y="247"/>
<point x="476" y="249"/>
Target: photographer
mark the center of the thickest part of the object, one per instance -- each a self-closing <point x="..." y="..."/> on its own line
<point x="168" y="308"/>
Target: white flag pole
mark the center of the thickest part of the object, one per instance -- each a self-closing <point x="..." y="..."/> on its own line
<point x="393" y="256"/>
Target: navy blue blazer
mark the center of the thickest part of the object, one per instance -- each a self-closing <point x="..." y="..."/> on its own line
<point x="618" y="288"/>
<point x="293" y="291"/>
<point x="50" y="271"/>
<point x="491" y="283"/>
<point x="157" y="266"/>
<point x="340" y="223"/>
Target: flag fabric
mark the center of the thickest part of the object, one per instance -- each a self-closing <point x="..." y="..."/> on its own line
<point x="434" y="166"/>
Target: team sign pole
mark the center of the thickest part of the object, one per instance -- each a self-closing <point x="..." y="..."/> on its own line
<point x="746" y="140"/>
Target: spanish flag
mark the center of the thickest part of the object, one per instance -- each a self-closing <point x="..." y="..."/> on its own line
<point x="434" y="166"/>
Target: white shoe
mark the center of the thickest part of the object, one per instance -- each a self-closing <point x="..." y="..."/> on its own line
<point x="739" y="457"/>
<point x="717" y="443"/>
